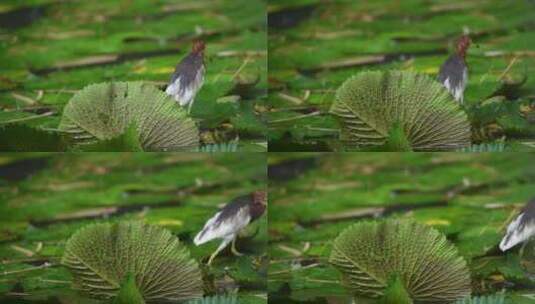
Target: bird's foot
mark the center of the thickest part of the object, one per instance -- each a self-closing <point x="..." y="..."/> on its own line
<point x="189" y="107"/>
<point x="234" y="250"/>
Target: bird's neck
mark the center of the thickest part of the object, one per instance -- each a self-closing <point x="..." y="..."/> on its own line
<point x="461" y="51"/>
<point x="256" y="210"/>
<point x="460" y="56"/>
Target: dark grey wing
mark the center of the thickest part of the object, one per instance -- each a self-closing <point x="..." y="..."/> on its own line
<point x="188" y="69"/>
<point x="231" y="219"/>
<point x="235" y="206"/>
<point x="452" y="71"/>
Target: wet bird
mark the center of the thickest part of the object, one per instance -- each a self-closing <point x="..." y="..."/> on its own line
<point x="229" y="221"/>
<point x="454" y="72"/>
<point x="188" y="77"/>
<point x="521" y="229"/>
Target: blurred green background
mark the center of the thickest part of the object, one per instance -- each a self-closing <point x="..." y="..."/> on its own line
<point x="315" y="45"/>
<point x="469" y="197"/>
<point x="51" y="49"/>
<point x="45" y="198"/>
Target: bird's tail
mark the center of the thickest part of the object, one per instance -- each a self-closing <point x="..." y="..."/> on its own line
<point x="198" y="240"/>
<point x="516" y="233"/>
<point x="206" y="234"/>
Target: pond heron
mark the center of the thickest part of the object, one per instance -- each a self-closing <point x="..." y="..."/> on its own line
<point x="188" y="77"/>
<point x="229" y="221"/>
<point x="454" y="72"/>
<point x="521" y="229"/>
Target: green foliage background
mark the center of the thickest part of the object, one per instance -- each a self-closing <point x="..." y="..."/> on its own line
<point x="470" y="197"/>
<point x="71" y="45"/>
<point x="326" y="42"/>
<point x="44" y="206"/>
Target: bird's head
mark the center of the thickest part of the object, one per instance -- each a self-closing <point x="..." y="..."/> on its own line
<point x="258" y="206"/>
<point x="260" y="197"/>
<point x="198" y="47"/>
<point x="462" y="45"/>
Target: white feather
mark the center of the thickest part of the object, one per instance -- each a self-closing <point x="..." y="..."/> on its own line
<point x="457" y="92"/>
<point x="460" y="92"/>
<point x="198" y="240"/>
<point x="186" y="95"/>
<point x="447" y="84"/>
<point x="515" y="235"/>
<point x="225" y="230"/>
<point x="172" y="89"/>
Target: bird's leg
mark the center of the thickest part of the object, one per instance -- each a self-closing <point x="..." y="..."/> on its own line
<point x="189" y="106"/>
<point x="218" y="250"/>
<point x="233" y="248"/>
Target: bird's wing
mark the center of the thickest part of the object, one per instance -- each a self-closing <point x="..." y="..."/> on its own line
<point x="189" y="92"/>
<point x="218" y="227"/>
<point x="459" y="95"/>
<point x="453" y="75"/>
<point x="447" y="68"/>
<point x="199" y="237"/>
<point x="187" y="79"/>
<point x="173" y="88"/>
<point x="517" y="232"/>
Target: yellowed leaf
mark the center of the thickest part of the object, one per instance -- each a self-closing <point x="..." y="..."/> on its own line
<point x="430" y="70"/>
<point x="170" y="222"/>
<point x="437" y="222"/>
<point x="164" y="70"/>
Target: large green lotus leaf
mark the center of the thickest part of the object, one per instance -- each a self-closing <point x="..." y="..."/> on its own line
<point x="371" y="103"/>
<point x="369" y="254"/>
<point x="127" y="141"/>
<point x="104" y="111"/>
<point x="102" y="256"/>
